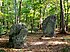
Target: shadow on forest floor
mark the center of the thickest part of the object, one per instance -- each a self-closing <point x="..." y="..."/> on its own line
<point x="46" y="44"/>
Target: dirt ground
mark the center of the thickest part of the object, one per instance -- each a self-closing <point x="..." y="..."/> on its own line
<point x="35" y="44"/>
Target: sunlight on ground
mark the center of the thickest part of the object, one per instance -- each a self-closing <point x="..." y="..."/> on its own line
<point x="36" y="43"/>
<point x="4" y="40"/>
<point x="48" y="43"/>
<point x="52" y="38"/>
<point x="56" y="42"/>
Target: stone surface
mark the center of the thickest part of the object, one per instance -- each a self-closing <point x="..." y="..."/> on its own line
<point x="17" y="35"/>
<point x="48" y="25"/>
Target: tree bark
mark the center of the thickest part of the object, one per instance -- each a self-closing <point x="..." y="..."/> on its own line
<point x="19" y="12"/>
<point x="40" y="16"/>
<point x="15" y="12"/>
<point x="2" y="10"/>
<point x="67" y="17"/>
<point x="62" y="17"/>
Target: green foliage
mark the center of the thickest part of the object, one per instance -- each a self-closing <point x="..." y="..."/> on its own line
<point x="25" y="10"/>
<point x="2" y="50"/>
<point x="30" y="10"/>
<point x="2" y="29"/>
<point x="1" y="14"/>
<point x="65" y="49"/>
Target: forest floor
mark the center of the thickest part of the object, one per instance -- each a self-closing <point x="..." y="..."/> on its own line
<point x="35" y="44"/>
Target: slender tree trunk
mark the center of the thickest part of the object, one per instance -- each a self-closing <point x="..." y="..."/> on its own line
<point x="32" y="24"/>
<point x="65" y="9"/>
<point x="56" y="10"/>
<point x="65" y="13"/>
<point x="62" y="17"/>
<point x="19" y="12"/>
<point x="7" y="17"/>
<point x="40" y="16"/>
<point x="26" y="14"/>
<point x="67" y="17"/>
<point x="2" y="10"/>
<point x="15" y="12"/>
<point x="44" y="8"/>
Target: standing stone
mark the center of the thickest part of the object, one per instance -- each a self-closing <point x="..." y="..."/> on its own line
<point x="17" y="36"/>
<point x="48" y="25"/>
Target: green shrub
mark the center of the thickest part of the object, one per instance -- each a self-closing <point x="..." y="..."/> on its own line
<point x="66" y="49"/>
<point x="2" y="29"/>
<point x="2" y="51"/>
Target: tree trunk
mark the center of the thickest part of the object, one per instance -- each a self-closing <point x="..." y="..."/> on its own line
<point x="67" y="17"/>
<point x="15" y="12"/>
<point x="2" y="10"/>
<point x="32" y="20"/>
<point x="40" y="16"/>
<point x="7" y="17"/>
<point x="19" y="12"/>
<point x="26" y="14"/>
<point x="62" y="17"/>
<point x="44" y="8"/>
